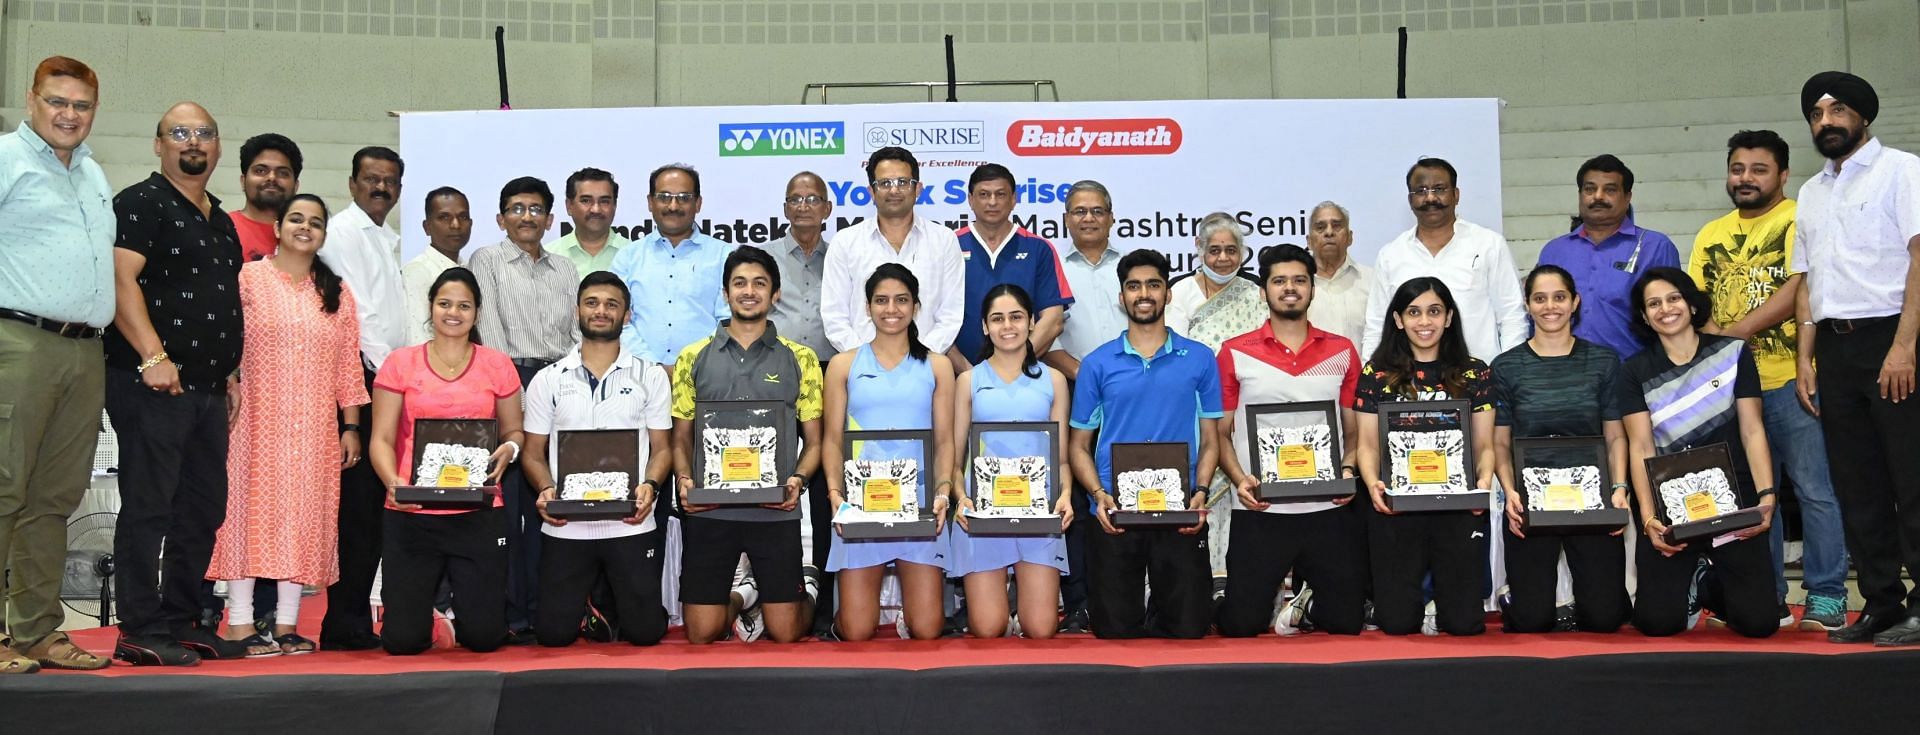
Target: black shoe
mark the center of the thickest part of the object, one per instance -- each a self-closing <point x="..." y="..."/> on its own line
<point x="521" y="637"/>
<point x="1076" y="621"/>
<point x="596" y="627"/>
<point x="1904" y="633"/>
<point x="1862" y="630"/>
<point x="355" y="642"/>
<point x="209" y="645"/>
<point x="153" y="650"/>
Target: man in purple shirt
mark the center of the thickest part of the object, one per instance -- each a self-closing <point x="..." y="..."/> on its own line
<point x="1606" y="252"/>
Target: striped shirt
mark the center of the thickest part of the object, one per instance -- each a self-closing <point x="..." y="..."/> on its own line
<point x="1692" y="405"/>
<point x="526" y="305"/>
<point x="1564" y="395"/>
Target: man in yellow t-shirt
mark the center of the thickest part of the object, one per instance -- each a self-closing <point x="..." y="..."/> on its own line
<point x="1741" y="260"/>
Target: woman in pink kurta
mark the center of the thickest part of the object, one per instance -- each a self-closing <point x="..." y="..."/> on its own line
<point x="301" y="362"/>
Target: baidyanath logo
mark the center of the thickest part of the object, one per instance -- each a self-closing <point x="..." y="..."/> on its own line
<point x="1145" y="136"/>
<point x="783" y="139"/>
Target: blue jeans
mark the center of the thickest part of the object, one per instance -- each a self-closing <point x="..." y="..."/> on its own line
<point x="1797" y="444"/>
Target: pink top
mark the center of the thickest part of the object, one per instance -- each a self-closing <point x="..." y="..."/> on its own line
<point x="489" y="376"/>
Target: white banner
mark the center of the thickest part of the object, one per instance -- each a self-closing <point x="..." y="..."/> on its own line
<point x="1167" y="163"/>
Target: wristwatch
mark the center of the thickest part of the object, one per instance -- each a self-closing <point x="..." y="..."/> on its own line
<point x="344" y="428"/>
<point x="651" y="485"/>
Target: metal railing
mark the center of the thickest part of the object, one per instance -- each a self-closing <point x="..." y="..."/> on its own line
<point x="931" y="87"/>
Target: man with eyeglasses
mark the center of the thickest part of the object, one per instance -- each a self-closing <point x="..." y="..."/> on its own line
<point x="1606" y="253"/>
<point x="802" y="257"/>
<point x="172" y="355"/>
<point x="1472" y="260"/>
<point x="1340" y="284"/>
<point x="270" y="166"/>
<point x="448" y="222"/>
<point x="592" y="198"/>
<point x="527" y="312"/>
<point x="894" y="235"/>
<point x="1092" y="270"/>
<point x="365" y="252"/>
<point x="998" y="252"/>
<point x="57" y="261"/>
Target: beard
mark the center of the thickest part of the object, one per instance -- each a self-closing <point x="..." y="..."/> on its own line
<point x="611" y="334"/>
<point x="1748" y="198"/>
<point x="1833" y="146"/>
<point x="1158" y="312"/>
<point x="193" y="166"/>
<point x="265" y="200"/>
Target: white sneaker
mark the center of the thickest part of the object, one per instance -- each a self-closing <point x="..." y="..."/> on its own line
<point x="1287" y="621"/>
<point x="1013" y="627"/>
<point x="1428" y="625"/>
<point x="749" y="625"/>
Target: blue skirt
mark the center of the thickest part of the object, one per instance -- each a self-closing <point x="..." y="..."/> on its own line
<point x="987" y="553"/>
<point x="861" y="554"/>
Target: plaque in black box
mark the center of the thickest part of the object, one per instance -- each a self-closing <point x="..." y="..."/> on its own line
<point x="1150" y="485"/>
<point x="743" y="451"/>
<point x="886" y="491"/>
<point x="1294" y="450"/>
<point x="1427" y="455"/>
<point x="1565" y="486"/>
<point x="450" y="463"/>
<point x="1015" y="482"/>
<point x="1695" y="493"/>
<point x="596" y="473"/>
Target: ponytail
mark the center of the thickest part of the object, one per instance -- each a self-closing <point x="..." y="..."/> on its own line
<point x="328" y="283"/>
<point x="915" y="349"/>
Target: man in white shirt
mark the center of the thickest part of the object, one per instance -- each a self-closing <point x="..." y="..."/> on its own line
<point x="600" y="386"/>
<point x="1472" y="260"/>
<point x="366" y="255"/>
<point x="449" y="223"/>
<point x="1340" y="285"/>
<point x="1858" y="242"/>
<point x="893" y="235"/>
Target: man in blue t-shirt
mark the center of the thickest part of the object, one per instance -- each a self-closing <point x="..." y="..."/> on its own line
<point x="1149" y="385"/>
<point x="998" y="252"/>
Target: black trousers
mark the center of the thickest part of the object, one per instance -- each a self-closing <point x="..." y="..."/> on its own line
<point x="1329" y="546"/>
<point x="820" y="513"/>
<point x="1875" y="462"/>
<point x="1452" y="546"/>
<point x="521" y="527"/>
<point x="1118" y="569"/>
<point x="1598" y="563"/>
<point x="173" y="494"/>
<point x="363" y="500"/>
<point x="630" y="566"/>
<point x="465" y="549"/>
<point x="1742" y="577"/>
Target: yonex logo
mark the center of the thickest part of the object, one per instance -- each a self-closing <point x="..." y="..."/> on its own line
<point x="783" y="139"/>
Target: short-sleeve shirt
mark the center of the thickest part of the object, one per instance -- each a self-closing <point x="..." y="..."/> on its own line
<point x="1563" y="395"/>
<point x="1693" y="405"/>
<point x="1428" y="383"/>
<point x="1853" y="229"/>
<point x="773" y="368"/>
<point x="1131" y="397"/>
<point x="256" y="238"/>
<point x="565" y="396"/>
<point x="191" y="282"/>
<point x="1740" y="263"/>
<point x="1025" y="260"/>
<point x="1606" y="271"/>
<point x="1255" y="368"/>
<point x="425" y="395"/>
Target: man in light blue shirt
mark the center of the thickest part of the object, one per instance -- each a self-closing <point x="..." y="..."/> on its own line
<point x="57" y="229"/>
<point x="674" y="272"/>
<point x="1092" y="271"/>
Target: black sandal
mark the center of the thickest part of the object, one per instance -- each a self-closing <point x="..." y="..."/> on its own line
<point x="259" y="646"/>
<point x="294" y="644"/>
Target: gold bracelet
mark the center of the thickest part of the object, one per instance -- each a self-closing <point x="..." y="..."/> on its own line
<point x="157" y="358"/>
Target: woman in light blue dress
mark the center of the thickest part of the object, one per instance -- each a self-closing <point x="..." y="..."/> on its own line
<point x="1010" y="384"/>
<point x="891" y="383"/>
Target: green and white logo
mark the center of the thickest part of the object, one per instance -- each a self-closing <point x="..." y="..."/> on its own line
<point x="783" y="139"/>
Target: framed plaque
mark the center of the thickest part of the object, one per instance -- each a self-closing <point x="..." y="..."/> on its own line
<point x="450" y="458"/>
<point x="1696" y="493"/>
<point x="596" y="473"/>
<point x="743" y="452"/>
<point x="1014" y="478"/>
<point x="887" y="493"/>
<point x="1565" y="486"/>
<point x="1150" y="485"/>
<point x="1427" y="452"/>
<point x="1294" y="450"/>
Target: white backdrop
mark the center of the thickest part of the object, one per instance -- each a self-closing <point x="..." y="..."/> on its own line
<point x="1167" y="163"/>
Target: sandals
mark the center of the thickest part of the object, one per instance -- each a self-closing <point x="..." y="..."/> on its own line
<point x="58" y="652"/>
<point x="294" y="644"/>
<point x="14" y="663"/>
<point x="260" y="646"/>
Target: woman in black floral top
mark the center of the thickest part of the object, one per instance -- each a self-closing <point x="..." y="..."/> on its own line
<point x="1423" y="356"/>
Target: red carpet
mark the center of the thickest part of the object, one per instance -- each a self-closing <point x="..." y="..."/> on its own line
<point x="676" y="653"/>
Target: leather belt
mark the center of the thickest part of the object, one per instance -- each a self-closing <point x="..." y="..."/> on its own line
<point x="531" y="363"/>
<point x="1849" y="326"/>
<point x="75" y="330"/>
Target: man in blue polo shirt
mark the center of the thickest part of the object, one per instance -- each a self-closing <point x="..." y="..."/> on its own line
<point x="1149" y="385"/>
<point x="1607" y="253"/>
<point x="997" y="252"/>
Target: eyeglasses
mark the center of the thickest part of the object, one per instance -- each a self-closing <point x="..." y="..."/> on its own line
<point x="61" y="103"/>
<point x="1438" y="191"/>
<point x="1085" y="212"/>
<point x="810" y="200"/>
<point x="895" y="183"/>
<point x="522" y="210"/>
<point x="370" y="181"/>
<point x="685" y="197"/>
<point x="184" y="134"/>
